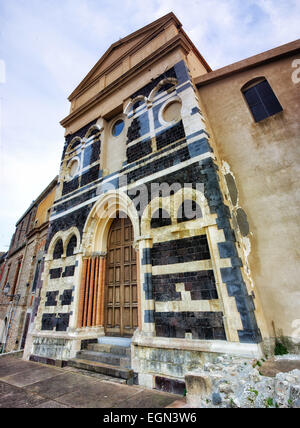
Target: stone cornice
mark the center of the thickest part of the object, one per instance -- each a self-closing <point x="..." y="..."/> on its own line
<point x="269" y="56"/>
<point x="178" y="41"/>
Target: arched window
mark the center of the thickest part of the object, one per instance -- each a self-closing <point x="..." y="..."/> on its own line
<point x="166" y="86"/>
<point x="137" y="104"/>
<point x="58" y="250"/>
<point x="74" y="144"/>
<point x="160" y="218"/>
<point x="189" y="210"/>
<point x="71" y="246"/>
<point x="261" y="99"/>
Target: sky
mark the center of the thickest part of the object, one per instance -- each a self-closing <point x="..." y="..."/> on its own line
<point x="48" y="46"/>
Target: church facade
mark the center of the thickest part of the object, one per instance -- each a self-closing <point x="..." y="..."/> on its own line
<point x="149" y="237"/>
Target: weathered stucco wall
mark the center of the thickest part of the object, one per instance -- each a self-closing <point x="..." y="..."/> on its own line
<point x="264" y="159"/>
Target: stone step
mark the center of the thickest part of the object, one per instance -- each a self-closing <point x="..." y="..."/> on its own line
<point x="105" y="357"/>
<point x="111" y="349"/>
<point x="105" y="369"/>
<point x="112" y="340"/>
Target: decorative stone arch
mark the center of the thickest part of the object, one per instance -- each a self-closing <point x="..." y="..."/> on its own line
<point x="188" y="193"/>
<point x="73" y="231"/>
<point x="74" y="140"/>
<point x="103" y="213"/>
<point x="252" y="82"/>
<point x="91" y="130"/>
<point x="172" y="204"/>
<point x="169" y="80"/>
<point x="56" y="238"/>
<point x="131" y="103"/>
<point x="175" y="99"/>
<point x="65" y="236"/>
<point x="154" y="205"/>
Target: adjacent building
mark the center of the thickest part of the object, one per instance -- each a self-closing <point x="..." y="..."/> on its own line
<point x="21" y="271"/>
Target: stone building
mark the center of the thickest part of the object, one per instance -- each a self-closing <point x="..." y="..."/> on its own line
<point x="21" y="271"/>
<point x="163" y="228"/>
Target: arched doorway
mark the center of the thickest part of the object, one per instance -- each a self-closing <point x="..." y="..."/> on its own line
<point x="121" y="289"/>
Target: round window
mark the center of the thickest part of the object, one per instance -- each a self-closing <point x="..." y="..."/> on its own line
<point x="172" y="112"/>
<point x="118" y="128"/>
<point x="73" y="168"/>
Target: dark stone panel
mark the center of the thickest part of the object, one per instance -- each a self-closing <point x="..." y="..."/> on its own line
<point x="173" y="386"/>
<point x="145" y="91"/>
<point x="91" y="175"/>
<point x="166" y="87"/>
<point x="155" y="110"/>
<point x="245" y="304"/>
<point x="242" y="221"/>
<point x="159" y="164"/>
<point x="80" y="133"/>
<point x="62" y="322"/>
<point x="91" y="154"/>
<point x="139" y="150"/>
<point x="202" y="325"/>
<point x="71" y="246"/>
<point x="64" y="206"/>
<point x="48" y="321"/>
<point x="147" y="286"/>
<point x="148" y="316"/>
<point x="169" y="136"/>
<point x="197" y="133"/>
<point x="146" y="256"/>
<point x="233" y="192"/>
<point x="201" y="284"/>
<point x="66" y="297"/>
<point x="250" y="336"/>
<point x="199" y="147"/>
<point x="227" y="249"/>
<point x="230" y="274"/>
<point x="133" y="132"/>
<point x="152" y="156"/>
<point x="144" y="123"/>
<point x="55" y="273"/>
<point x="181" y="71"/>
<point x="70" y="186"/>
<point x="51" y="298"/>
<point x="195" y="110"/>
<point x="188" y="211"/>
<point x="180" y="251"/>
<point x="160" y="218"/>
<point x="69" y="271"/>
<point x="58" y="250"/>
<point x="77" y="218"/>
<point x="42" y="360"/>
<point x="86" y="342"/>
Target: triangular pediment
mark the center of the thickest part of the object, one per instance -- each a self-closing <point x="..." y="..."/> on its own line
<point x="120" y="49"/>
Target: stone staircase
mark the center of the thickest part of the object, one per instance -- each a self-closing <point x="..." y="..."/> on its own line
<point x="110" y="357"/>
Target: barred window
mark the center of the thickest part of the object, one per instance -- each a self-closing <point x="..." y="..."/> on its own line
<point x="58" y="250"/>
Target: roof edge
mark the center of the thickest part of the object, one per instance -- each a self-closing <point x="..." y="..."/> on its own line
<point x="125" y="39"/>
<point x="41" y="196"/>
<point x="248" y="63"/>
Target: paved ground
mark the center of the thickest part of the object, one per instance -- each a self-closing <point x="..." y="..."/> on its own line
<point x="28" y="384"/>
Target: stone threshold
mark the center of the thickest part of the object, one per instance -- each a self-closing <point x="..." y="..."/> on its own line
<point x="247" y="350"/>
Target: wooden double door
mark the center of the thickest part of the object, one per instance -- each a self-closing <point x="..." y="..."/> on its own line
<point x="121" y="293"/>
